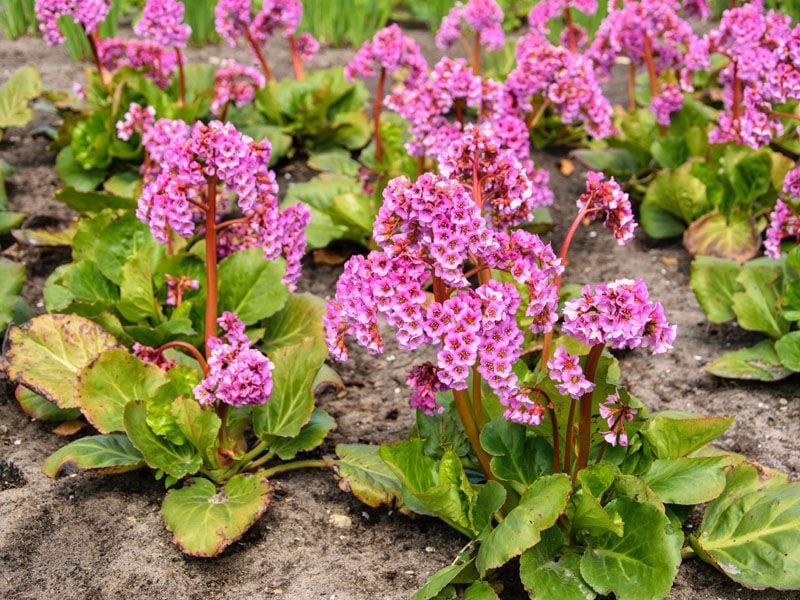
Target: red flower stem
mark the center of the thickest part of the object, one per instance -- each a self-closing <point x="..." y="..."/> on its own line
<point x="585" y="425"/>
<point x="211" y="264"/>
<point x="737" y="92"/>
<point x="536" y="117"/>
<point x="377" y="106"/>
<point x="477" y="398"/>
<point x="570" y="433"/>
<point x="573" y="42"/>
<point x="631" y="86"/>
<point x="101" y="72"/>
<point x="297" y="62"/>
<point x="651" y="74"/>
<point x="226" y="224"/>
<point x="190" y="349"/>
<point x="556" y="450"/>
<point x="476" y="54"/>
<point x="548" y="337"/>
<point x="181" y="77"/>
<point x="420" y="165"/>
<point x="459" y="105"/>
<point x="784" y="115"/>
<point x="259" y="55"/>
<point x="224" y="113"/>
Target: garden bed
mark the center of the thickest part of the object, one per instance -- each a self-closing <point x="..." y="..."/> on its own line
<point x="96" y="537"/>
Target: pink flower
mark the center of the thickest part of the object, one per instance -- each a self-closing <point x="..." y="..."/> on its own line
<point x="156" y="62"/>
<point x="276" y="16"/>
<point x="238" y="374"/>
<point x="616" y="414"/>
<point x="607" y="198"/>
<point x="87" y="13"/>
<point x="232" y="19"/>
<point x="483" y="17"/>
<point x="153" y="356"/>
<point x="668" y="101"/>
<point x="424" y="382"/>
<point x="137" y="119"/>
<point x="162" y="23"/>
<point x="565" y="368"/>
<point x="307" y="46"/>
<point x="784" y="221"/>
<point x="391" y="50"/>
<point x="235" y="83"/>
<point x="521" y="409"/>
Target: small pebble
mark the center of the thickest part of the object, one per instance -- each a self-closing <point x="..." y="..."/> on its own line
<point x="430" y="549"/>
<point x="783" y="401"/>
<point x="409" y="572"/>
<point x="391" y="358"/>
<point x="340" y="521"/>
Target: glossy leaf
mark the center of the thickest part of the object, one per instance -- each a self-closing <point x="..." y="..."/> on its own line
<point x="480" y="590"/>
<point x="676" y="434"/>
<point x="137" y="294"/>
<point x="75" y="176"/>
<point x="757" y="305"/>
<point x="205" y="520"/>
<point x="752" y="531"/>
<point x="12" y="278"/>
<point x="159" y="453"/>
<point x="109" y="382"/>
<point x="713" y="282"/>
<point x="311" y="435"/>
<point x="538" y="509"/>
<point x="515" y="455"/>
<point x="40" y="408"/>
<point x="588" y="515"/>
<point x="361" y="471"/>
<point x="759" y="363"/>
<point x="548" y="576"/>
<point x="687" y="480"/>
<point x="292" y="401"/>
<point x="735" y="236"/>
<point x="47" y="353"/>
<point x="199" y="425"/>
<point x="300" y="318"/>
<point x="22" y="86"/>
<point x="788" y="350"/>
<point x="673" y="200"/>
<point x="640" y="565"/>
<point x="251" y="286"/>
<point x="97" y="453"/>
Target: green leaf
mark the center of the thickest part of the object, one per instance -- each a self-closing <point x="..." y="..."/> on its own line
<point x="311" y="435"/>
<point x="300" y="318"/>
<point x="480" y="590"/>
<point x="788" y="350"/>
<point x="204" y="520"/>
<point x="159" y="453"/>
<point x="546" y="576"/>
<point x="198" y="424"/>
<point x="127" y="184"/>
<point x="47" y="353"/>
<point x="675" y="434"/>
<point x="23" y="86"/>
<point x="757" y="307"/>
<point x="630" y="486"/>
<point x="713" y="282"/>
<point x="588" y="515"/>
<point x="40" y="408"/>
<point x="617" y="162"/>
<point x="441" y="580"/>
<point x="361" y="471"/>
<point x="515" y="455"/>
<point x="182" y="379"/>
<point x="89" y="201"/>
<point x="538" y="509"/>
<point x="687" y="480"/>
<point x="292" y="401"/>
<point x="672" y="200"/>
<point x="641" y="564"/>
<point x="96" y="453"/>
<point x="85" y="282"/>
<point x="334" y="161"/>
<point x="759" y="363"/>
<point x="118" y="242"/>
<point x="137" y="295"/>
<point x="752" y="531"/>
<point x="250" y="286"/>
<point x="109" y="382"/>
<point x="75" y="176"/>
<point x="12" y="278"/>
<point x="735" y="236"/>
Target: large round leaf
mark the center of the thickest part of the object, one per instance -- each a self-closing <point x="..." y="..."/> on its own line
<point x="735" y="236"/>
<point x="46" y="354"/>
<point x="205" y="520"/>
<point x="97" y="453"/>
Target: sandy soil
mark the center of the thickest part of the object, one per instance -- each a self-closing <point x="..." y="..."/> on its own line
<point x="97" y="537"/>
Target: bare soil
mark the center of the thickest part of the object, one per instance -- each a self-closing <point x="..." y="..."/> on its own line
<point x="93" y="537"/>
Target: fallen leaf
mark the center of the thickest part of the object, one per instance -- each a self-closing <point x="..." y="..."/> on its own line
<point x="324" y="256"/>
<point x="566" y="166"/>
<point x="68" y="428"/>
<point x="669" y="261"/>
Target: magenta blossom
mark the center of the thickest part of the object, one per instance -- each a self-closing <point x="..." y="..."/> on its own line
<point x="606" y="198"/>
<point x="565" y="368"/>
<point x="156" y="62"/>
<point x="153" y="356"/>
<point x="425" y="383"/>
<point x="232" y="19"/>
<point x="235" y="83"/>
<point x="389" y="50"/>
<point x="784" y="222"/>
<point x="621" y="314"/>
<point x="86" y="13"/>
<point x="162" y="22"/>
<point x="616" y="415"/>
<point x="483" y="17"/>
<point x="521" y="409"/>
<point x="238" y="374"/>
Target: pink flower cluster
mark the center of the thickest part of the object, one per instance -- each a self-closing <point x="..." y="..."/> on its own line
<point x="235" y="83"/>
<point x="155" y="61"/>
<point x="483" y="17"/>
<point x="565" y="368"/>
<point x="153" y="356"/>
<point x="137" y="119"/>
<point x="621" y="314"/>
<point x="162" y="22"/>
<point x="784" y="222"/>
<point x="425" y="383"/>
<point x="389" y="50"/>
<point x="650" y="31"/>
<point x="616" y="415"/>
<point x="565" y="80"/>
<point x="764" y="69"/>
<point x="508" y="189"/>
<point x="607" y="198"/>
<point x="546" y="10"/>
<point x="238" y="374"/>
<point x="87" y="13"/>
<point x="240" y="167"/>
<point x="157" y="135"/>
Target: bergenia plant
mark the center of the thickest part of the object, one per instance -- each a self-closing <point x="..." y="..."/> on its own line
<point x="526" y="441"/>
<point x="476" y="25"/>
<point x="234" y="21"/>
<point x="202" y="369"/>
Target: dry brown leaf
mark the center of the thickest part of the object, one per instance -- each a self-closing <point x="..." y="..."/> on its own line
<point x="566" y="166"/>
<point x="669" y="261"/>
<point x="323" y="256"/>
<point x="68" y="428"/>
